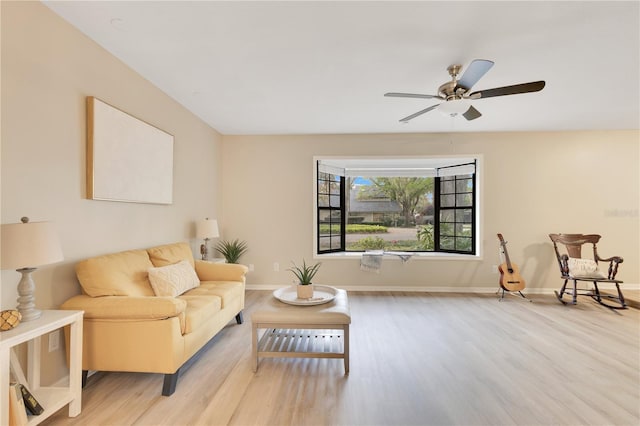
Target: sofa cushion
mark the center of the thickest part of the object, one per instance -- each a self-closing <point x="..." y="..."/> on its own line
<point x="117" y="274"/>
<point x="169" y="254"/>
<point x="173" y="280"/>
<point x="200" y="309"/>
<point x="225" y="290"/>
<point x="126" y="308"/>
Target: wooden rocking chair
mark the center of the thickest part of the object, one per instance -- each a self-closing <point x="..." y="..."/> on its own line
<point x="573" y="267"/>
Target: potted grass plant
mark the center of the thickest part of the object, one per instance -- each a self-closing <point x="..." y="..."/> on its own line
<point x="232" y="250"/>
<point x="304" y="274"/>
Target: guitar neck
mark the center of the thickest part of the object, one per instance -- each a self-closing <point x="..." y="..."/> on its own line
<point x="503" y="243"/>
<point x="508" y="261"/>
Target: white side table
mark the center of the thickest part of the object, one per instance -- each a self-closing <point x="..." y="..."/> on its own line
<point x="51" y="398"/>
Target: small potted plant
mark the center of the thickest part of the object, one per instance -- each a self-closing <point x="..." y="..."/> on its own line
<point x="304" y="274"/>
<point x="232" y="250"/>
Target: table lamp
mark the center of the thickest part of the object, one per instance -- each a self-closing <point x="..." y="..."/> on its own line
<point x="25" y="246"/>
<point x="206" y="229"/>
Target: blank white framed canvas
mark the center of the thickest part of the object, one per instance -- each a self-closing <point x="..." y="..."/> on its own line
<point x="128" y="160"/>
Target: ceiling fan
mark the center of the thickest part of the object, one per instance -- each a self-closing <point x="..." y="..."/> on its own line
<point x="456" y="93"/>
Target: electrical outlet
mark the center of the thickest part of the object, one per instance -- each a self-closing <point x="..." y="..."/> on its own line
<point x="251" y="268"/>
<point x="54" y="340"/>
<point x="494" y="269"/>
<point x="276" y="267"/>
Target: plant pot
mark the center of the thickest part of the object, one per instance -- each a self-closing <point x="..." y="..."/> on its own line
<point x="304" y="291"/>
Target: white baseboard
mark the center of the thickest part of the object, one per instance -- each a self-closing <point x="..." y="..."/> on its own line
<point x="425" y="289"/>
<point x="416" y="289"/>
<point x="64" y="382"/>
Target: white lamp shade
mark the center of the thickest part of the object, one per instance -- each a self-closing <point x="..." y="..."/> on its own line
<point x="207" y="228"/>
<point x="28" y="245"/>
<point x="454" y="107"/>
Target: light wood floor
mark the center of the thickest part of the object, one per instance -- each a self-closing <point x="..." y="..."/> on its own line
<point x="632" y="298"/>
<point x="416" y="359"/>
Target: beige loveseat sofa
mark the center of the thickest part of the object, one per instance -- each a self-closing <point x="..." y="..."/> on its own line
<point x="138" y="316"/>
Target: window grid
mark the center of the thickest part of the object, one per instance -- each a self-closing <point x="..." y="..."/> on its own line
<point x="331" y="215"/>
<point x="455" y="208"/>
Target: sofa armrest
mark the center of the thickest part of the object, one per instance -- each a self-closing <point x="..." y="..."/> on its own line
<point x="126" y="307"/>
<point x="208" y="271"/>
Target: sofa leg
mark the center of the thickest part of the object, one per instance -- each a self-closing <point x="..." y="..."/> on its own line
<point x="85" y="373"/>
<point x="239" y="318"/>
<point x="170" y="382"/>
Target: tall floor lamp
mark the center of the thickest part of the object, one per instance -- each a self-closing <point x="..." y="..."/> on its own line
<point x="205" y="230"/>
<point x="25" y="246"/>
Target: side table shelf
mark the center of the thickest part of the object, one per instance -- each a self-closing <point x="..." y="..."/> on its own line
<point x="51" y="398"/>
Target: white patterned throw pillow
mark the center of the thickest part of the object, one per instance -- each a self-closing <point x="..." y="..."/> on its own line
<point x="173" y="280"/>
<point x="584" y="268"/>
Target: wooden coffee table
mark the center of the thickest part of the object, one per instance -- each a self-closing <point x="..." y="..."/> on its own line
<point x="318" y="331"/>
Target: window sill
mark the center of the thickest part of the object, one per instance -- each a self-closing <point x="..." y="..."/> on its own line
<point x="415" y="256"/>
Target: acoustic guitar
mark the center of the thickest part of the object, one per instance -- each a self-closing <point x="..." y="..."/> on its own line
<point x="510" y="279"/>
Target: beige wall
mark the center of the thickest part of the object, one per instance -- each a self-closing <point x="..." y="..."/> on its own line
<point x="533" y="184"/>
<point x="48" y="68"/>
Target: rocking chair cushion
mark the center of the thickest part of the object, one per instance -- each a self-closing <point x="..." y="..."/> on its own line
<point x="584" y="268"/>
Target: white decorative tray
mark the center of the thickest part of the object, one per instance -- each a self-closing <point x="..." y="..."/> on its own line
<point x="321" y="294"/>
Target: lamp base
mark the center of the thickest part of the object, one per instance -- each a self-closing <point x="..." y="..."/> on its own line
<point x="204" y="249"/>
<point x="26" y="301"/>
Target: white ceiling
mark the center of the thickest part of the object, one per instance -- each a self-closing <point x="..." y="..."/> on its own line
<point x="323" y="67"/>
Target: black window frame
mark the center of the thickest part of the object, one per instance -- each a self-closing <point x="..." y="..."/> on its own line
<point x="329" y="211"/>
<point x="457" y="211"/>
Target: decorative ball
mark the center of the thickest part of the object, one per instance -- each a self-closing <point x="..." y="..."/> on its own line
<point x="9" y="319"/>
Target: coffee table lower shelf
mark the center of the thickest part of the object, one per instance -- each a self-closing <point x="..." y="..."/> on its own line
<point x="303" y="343"/>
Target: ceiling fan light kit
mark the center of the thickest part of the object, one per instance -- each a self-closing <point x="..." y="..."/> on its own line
<point x="454" y="107"/>
<point x="456" y="93"/>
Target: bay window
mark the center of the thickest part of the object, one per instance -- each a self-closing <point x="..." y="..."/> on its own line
<point x="418" y="205"/>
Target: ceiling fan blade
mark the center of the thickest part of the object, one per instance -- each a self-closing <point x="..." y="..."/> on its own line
<point x="535" y="86"/>
<point x="410" y="95"/>
<point x="472" y="114"/>
<point x="414" y="115"/>
<point x="476" y="69"/>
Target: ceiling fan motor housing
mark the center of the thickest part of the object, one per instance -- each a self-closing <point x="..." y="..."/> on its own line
<point x="447" y="90"/>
